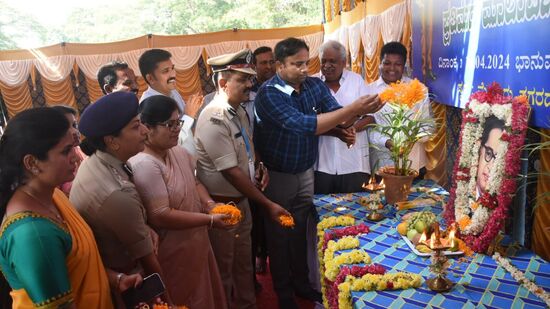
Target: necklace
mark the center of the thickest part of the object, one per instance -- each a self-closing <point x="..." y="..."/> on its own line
<point x="56" y="215"/>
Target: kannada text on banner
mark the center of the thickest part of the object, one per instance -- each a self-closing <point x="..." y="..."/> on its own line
<point x="461" y="46"/>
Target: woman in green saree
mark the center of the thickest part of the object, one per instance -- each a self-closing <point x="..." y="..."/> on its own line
<point x="48" y="253"/>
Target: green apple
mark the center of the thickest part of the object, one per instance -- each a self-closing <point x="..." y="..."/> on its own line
<point x="411" y="234"/>
<point x="420" y="226"/>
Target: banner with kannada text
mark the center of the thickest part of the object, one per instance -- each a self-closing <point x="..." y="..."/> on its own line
<point x="462" y="46"/>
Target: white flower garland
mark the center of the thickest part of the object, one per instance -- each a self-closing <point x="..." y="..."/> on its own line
<point x="466" y="191"/>
<point x="521" y="279"/>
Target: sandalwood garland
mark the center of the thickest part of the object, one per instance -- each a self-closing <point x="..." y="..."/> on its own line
<point x="521" y="279"/>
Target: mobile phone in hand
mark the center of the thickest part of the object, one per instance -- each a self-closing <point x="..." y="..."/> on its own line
<point x="151" y="288"/>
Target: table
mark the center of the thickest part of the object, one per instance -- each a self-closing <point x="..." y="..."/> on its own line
<point x="480" y="282"/>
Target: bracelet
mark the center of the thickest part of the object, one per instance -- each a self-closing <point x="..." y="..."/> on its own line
<point x="211" y="221"/>
<point x="118" y="278"/>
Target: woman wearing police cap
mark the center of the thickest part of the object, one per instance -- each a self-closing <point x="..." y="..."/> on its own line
<point x="103" y="191"/>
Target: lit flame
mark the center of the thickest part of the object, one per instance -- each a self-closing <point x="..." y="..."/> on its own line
<point x="341" y="208"/>
<point x="423" y="238"/>
<point x="382" y="184"/>
<point x="432" y="241"/>
<point x="452" y="238"/>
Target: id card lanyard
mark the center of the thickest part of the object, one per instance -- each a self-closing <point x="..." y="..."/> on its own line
<point x="251" y="170"/>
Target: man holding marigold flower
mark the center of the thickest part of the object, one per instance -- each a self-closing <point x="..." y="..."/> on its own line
<point x="292" y="110"/>
<point x="225" y="166"/>
<point x="393" y="58"/>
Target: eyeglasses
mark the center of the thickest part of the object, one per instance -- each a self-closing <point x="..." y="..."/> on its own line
<point x="173" y="125"/>
<point x="489" y="154"/>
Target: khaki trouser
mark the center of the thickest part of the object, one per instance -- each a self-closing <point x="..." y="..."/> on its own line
<point x="233" y="252"/>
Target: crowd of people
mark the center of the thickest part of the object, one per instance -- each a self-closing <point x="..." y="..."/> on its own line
<point x="87" y="219"/>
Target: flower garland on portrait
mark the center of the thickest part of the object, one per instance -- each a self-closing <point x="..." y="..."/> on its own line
<point x="480" y="215"/>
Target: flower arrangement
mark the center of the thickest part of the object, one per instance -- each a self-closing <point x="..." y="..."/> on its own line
<point x="480" y="199"/>
<point x="372" y="202"/>
<point x="375" y="282"/>
<point x="520" y="278"/>
<point x="345" y="271"/>
<point x="286" y="221"/>
<point x="323" y="239"/>
<point x="408" y="122"/>
<point x="234" y="213"/>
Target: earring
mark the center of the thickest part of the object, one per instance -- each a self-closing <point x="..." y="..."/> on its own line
<point x="34" y="171"/>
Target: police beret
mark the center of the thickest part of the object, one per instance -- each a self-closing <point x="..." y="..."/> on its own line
<point x="109" y="114"/>
<point x="240" y="61"/>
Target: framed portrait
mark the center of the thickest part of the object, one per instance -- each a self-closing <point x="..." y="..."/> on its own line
<point x="487" y="165"/>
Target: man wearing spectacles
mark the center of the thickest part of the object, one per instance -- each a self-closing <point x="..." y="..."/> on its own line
<point x="490" y="141"/>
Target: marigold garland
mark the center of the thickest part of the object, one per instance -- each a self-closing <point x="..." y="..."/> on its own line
<point x="344" y="243"/>
<point x="373" y="282"/>
<point x="352" y="257"/>
<point x="481" y="219"/>
<point x="324" y="224"/>
<point x="234" y="213"/>
<point x="345" y="271"/>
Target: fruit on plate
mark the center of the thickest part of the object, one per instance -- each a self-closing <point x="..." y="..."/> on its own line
<point x="411" y="234"/>
<point x="420" y="221"/>
<point x="423" y="248"/>
<point x="420" y="226"/>
<point x="402" y="228"/>
<point x="416" y="239"/>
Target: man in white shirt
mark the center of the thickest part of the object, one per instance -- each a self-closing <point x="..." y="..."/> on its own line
<point x="159" y="72"/>
<point x="393" y="58"/>
<point x="342" y="166"/>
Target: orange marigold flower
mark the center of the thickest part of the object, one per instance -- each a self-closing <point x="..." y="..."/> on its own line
<point x="464" y="222"/>
<point x="233" y="212"/>
<point x="522" y="99"/>
<point x="286" y="220"/>
<point x="404" y="94"/>
<point x="464" y="248"/>
<point x="474" y="205"/>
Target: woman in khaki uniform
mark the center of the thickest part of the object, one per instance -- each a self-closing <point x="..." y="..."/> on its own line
<point x="103" y="191"/>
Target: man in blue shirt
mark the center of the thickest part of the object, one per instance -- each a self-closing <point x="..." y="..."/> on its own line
<point x="292" y="109"/>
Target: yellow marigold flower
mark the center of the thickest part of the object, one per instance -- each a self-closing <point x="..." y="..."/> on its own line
<point x="286" y="220"/>
<point x="234" y="213"/>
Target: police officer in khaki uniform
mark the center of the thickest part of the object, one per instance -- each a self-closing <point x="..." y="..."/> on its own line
<point x="226" y="166"/>
<point x="103" y="192"/>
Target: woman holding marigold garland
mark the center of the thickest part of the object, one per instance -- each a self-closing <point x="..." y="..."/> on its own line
<point x="175" y="202"/>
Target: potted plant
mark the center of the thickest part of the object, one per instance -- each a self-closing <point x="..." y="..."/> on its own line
<point x="407" y="123"/>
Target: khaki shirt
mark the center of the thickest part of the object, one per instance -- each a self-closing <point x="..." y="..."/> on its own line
<point x="220" y="145"/>
<point x="106" y="198"/>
